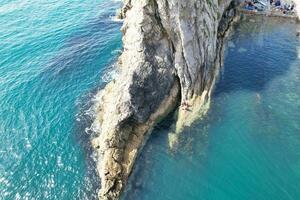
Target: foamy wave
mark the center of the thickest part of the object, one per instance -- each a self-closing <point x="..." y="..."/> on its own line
<point x="110" y="73"/>
<point x="116" y="19"/>
<point x="95" y="126"/>
<point x="107" y="77"/>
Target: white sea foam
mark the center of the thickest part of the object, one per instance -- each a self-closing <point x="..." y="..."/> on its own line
<point x="116" y="19"/>
<point x="110" y="73"/>
<point x="95" y="126"/>
<point x="107" y="77"/>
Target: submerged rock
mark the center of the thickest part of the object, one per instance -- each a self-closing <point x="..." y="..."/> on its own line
<point x="231" y="44"/>
<point x="173" y="50"/>
<point x="242" y="50"/>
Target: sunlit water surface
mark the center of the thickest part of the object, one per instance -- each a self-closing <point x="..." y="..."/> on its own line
<point x="248" y="146"/>
<point x="54" y="55"/>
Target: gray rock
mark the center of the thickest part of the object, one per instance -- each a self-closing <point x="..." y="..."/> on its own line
<point x="172" y="55"/>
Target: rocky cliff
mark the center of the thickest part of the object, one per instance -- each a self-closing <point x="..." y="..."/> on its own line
<point x="171" y="58"/>
<point x="297" y="3"/>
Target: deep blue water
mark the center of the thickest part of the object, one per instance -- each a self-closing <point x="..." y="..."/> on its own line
<point x="248" y="146"/>
<point x="54" y="55"/>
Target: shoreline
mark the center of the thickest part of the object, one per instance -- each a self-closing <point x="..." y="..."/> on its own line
<point x="242" y="11"/>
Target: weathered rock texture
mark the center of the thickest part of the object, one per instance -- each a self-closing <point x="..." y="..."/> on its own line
<point x="171" y="58"/>
<point x="297" y="2"/>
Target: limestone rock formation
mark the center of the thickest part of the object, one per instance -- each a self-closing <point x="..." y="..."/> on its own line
<point x="171" y="58"/>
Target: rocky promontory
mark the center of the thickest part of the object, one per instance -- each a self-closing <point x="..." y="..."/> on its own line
<point x="172" y="53"/>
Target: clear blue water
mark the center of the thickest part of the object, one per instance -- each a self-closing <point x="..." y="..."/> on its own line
<point x="248" y="146"/>
<point x="53" y="57"/>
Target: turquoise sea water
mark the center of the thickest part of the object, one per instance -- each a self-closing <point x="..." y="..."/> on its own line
<point x="53" y="57"/>
<point x="248" y="146"/>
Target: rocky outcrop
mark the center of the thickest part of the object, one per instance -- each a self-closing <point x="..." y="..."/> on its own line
<point x="171" y="58"/>
<point x="121" y="14"/>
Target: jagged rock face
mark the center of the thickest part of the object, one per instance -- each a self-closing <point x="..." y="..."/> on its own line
<point x="171" y="55"/>
<point x="192" y="27"/>
<point x="148" y="53"/>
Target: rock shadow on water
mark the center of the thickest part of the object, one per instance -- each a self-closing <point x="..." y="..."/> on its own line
<point x="271" y="46"/>
<point x="192" y="147"/>
<point x="263" y="51"/>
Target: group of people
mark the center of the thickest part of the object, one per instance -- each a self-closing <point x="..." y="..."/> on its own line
<point x="285" y="8"/>
<point x="250" y="5"/>
<point x="275" y="5"/>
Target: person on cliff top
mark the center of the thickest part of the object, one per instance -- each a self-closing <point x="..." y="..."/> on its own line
<point x="277" y="3"/>
<point x="249" y="5"/>
<point x="292" y="6"/>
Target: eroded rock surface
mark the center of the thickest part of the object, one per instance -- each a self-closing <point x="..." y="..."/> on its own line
<point x="171" y="58"/>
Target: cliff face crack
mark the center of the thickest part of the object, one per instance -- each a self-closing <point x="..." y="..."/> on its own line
<point x="172" y="51"/>
<point x="187" y="77"/>
<point x="224" y="28"/>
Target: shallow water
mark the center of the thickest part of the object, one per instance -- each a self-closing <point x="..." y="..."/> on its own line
<point x="53" y="57"/>
<point x="248" y="146"/>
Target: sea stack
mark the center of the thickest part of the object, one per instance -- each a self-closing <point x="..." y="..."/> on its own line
<point x="172" y="53"/>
